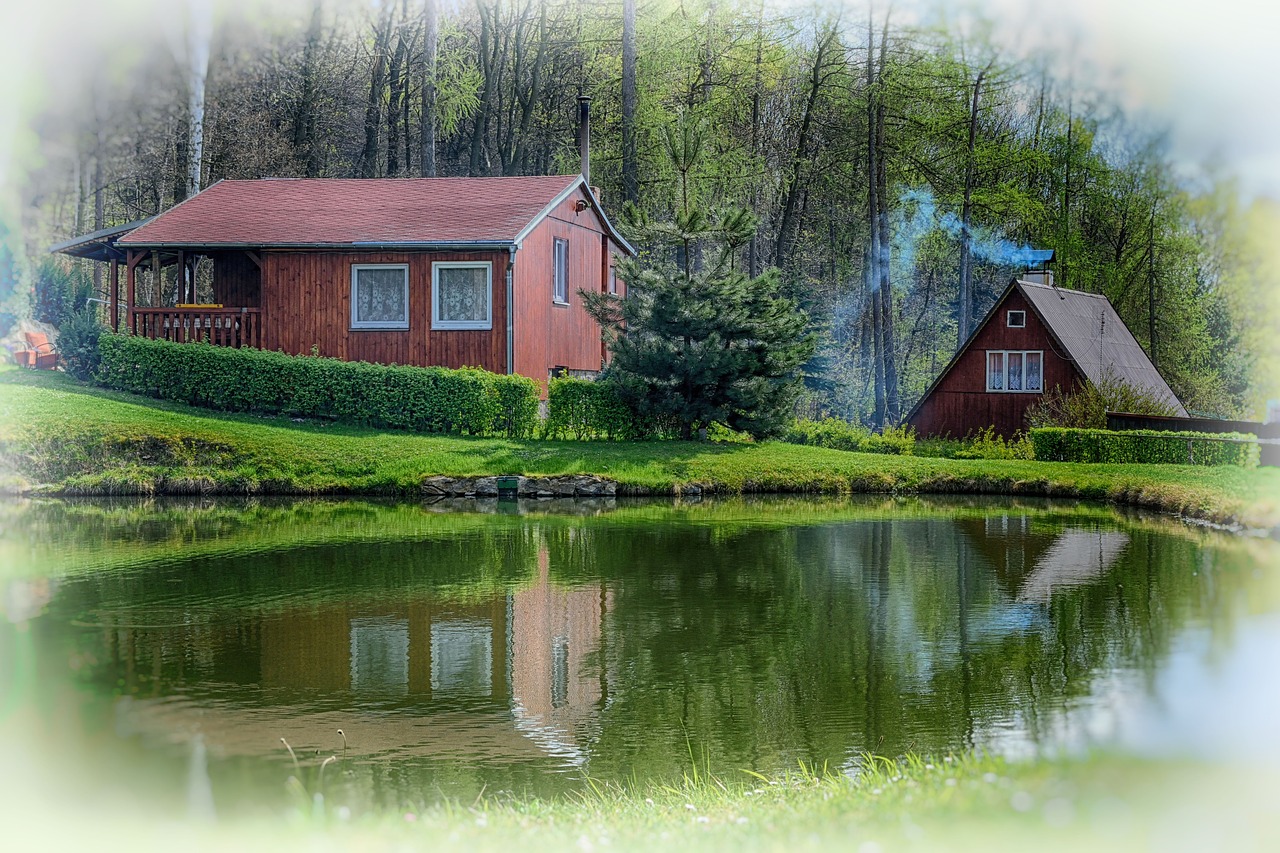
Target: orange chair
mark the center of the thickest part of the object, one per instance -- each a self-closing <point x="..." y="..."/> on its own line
<point x="40" y="353"/>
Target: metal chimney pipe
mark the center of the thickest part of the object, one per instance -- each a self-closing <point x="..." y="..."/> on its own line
<point x="584" y="135"/>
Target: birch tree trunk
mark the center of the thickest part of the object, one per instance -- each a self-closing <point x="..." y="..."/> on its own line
<point x="199" y="36"/>
<point x="630" y="179"/>
<point x="965" y="309"/>
<point x="430" y="44"/>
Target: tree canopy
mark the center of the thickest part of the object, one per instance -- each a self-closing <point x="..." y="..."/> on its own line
<point x="895" y="171"/>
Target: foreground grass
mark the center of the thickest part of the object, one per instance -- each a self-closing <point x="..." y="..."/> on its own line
<point x="954" y="803"/>
<point x="59" y="436"/>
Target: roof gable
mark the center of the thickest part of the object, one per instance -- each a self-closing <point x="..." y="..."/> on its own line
<point x="324" y="212"/>
<point x="1094" y="337"/>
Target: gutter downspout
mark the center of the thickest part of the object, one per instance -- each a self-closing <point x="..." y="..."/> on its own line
<point x="511" y="320"/>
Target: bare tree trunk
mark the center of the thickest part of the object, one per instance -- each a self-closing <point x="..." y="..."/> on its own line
<point x="199" y="36"/>
<point x="430" y="43"/>
<point x="98" y="202"/>
<point x="787" y="223"/>
<point x="377" y="87"/>
<point x="488" y="49"/>
<point x="965" y="309"/>
<point x="305" y="144"/>
<point x="1151" y="286"/>
<point x="397" y="85"/>
<point x="872" y="262"/>
<point x="882" y="223"/>
<point x="753" y="247"/>
<point x="630" y="178"/>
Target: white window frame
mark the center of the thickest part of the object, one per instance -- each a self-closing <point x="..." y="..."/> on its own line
<point x="559" y="285"/>
<point x="1004" y="370"/>
<point x="1012" y="325"/>
<point x="398" y="325"/>
<point x="456" y="325"/>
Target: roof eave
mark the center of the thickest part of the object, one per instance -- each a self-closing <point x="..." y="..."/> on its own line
<point x="578" y="183"/>
<point x="361" y="246"/>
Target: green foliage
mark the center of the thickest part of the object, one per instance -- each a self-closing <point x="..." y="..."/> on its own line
<point x="432" y="399"/>
<point x="583" y="409"/>
<point x="696" y="340"/>
<point x="842" y="435"/>
<point x="1058" y="444"/>
<point x="61" y="291"/>
<point x="1086" y="407"/>
<point x="78" y="344"/>
<point x="986" y="444"/>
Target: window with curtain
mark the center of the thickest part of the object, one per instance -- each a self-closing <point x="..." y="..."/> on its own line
<point x="380" y="296"/>
<point x="462" y="295"/>
<point x="1018" y="371"/>
<point x="562" y="271"/>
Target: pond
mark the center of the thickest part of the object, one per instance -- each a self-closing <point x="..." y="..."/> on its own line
<point x="204" y="652"/>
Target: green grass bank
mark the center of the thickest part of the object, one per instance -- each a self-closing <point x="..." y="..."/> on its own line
<point x="967" y="802"/>
<point x="58" y="436"/>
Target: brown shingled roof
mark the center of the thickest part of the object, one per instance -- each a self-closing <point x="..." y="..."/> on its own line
<point x="344" y="212"/>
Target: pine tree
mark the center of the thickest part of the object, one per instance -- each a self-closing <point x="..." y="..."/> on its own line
<point x="695" y="340"/>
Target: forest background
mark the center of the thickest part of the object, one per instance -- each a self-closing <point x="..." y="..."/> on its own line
<point x="900" y="161"/>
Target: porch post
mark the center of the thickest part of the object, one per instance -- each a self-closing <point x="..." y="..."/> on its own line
<point x="115" y="295"/>
<point x="157" y="279"/>
<point x="130" y="274"/>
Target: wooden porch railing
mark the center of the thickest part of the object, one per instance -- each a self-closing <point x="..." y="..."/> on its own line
<point x="224" y="327"/>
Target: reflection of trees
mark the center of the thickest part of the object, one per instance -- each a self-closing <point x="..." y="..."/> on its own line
<point x="817" y="642"/>
<point x="753" y="643"/>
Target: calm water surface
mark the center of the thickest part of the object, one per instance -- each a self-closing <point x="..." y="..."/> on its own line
<point x="163" y="650"/>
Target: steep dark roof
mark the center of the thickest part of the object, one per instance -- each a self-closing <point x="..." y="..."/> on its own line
<point x="1094" y="337"/>
<point x="357" y="213"/>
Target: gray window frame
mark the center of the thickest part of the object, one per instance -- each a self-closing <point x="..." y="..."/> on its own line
<point x="438" y="324"/>
<point x="559" y="275"/>
<point x="370" y="325"/>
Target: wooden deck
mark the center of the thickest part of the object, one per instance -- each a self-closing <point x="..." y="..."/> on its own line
<point x="224" y="327"/>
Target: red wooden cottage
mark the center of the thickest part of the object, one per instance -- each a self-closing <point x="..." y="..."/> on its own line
<point x="1037" y="337"/>
<point x="481" y="272"/>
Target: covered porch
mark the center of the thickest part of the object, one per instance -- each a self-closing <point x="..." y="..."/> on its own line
<point x="181" y="294"/>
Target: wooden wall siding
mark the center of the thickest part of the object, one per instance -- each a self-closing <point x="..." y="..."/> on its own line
<point x="237" y="281"/>
<point x="549" y="335"/>
<point x="306" y="300"/>
<point x="961" y="404"/>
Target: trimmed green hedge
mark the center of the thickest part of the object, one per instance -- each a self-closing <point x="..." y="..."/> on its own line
<point x="1061" y="444"/>
<point x="842" y="435"/>
<point x="421" y="399"/>
<point x="583" y="409"/>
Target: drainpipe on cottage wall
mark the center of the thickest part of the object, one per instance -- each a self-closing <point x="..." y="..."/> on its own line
<point x="511" y="319"/>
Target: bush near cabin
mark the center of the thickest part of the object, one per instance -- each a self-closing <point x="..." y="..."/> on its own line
<point x="420" y="399"/>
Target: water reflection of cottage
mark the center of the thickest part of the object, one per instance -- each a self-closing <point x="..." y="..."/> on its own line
<point x="507" y="677"/>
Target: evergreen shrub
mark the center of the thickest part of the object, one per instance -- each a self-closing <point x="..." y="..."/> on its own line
<point x="1062" y="444"/>
<point x="421" y="399"/>
<point x="78" y="343"/>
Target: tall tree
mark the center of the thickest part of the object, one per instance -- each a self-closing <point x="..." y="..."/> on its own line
<point x="630" y="179"/>
<point x="430" y="48"/>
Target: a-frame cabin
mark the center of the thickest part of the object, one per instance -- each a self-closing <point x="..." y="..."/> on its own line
<point x="1037" y="337"/>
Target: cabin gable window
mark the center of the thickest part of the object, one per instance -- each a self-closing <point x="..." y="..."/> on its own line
<point x="1015" y="371"/>
<point x="560" y="289"/>
<point x="1017" y="319"/>
<point x="380" y="296"/>
<point x="462" y="295"/>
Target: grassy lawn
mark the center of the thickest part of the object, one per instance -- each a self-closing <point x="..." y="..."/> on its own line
<point x="57" y="435"/>
<point x="969" y="802"/>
